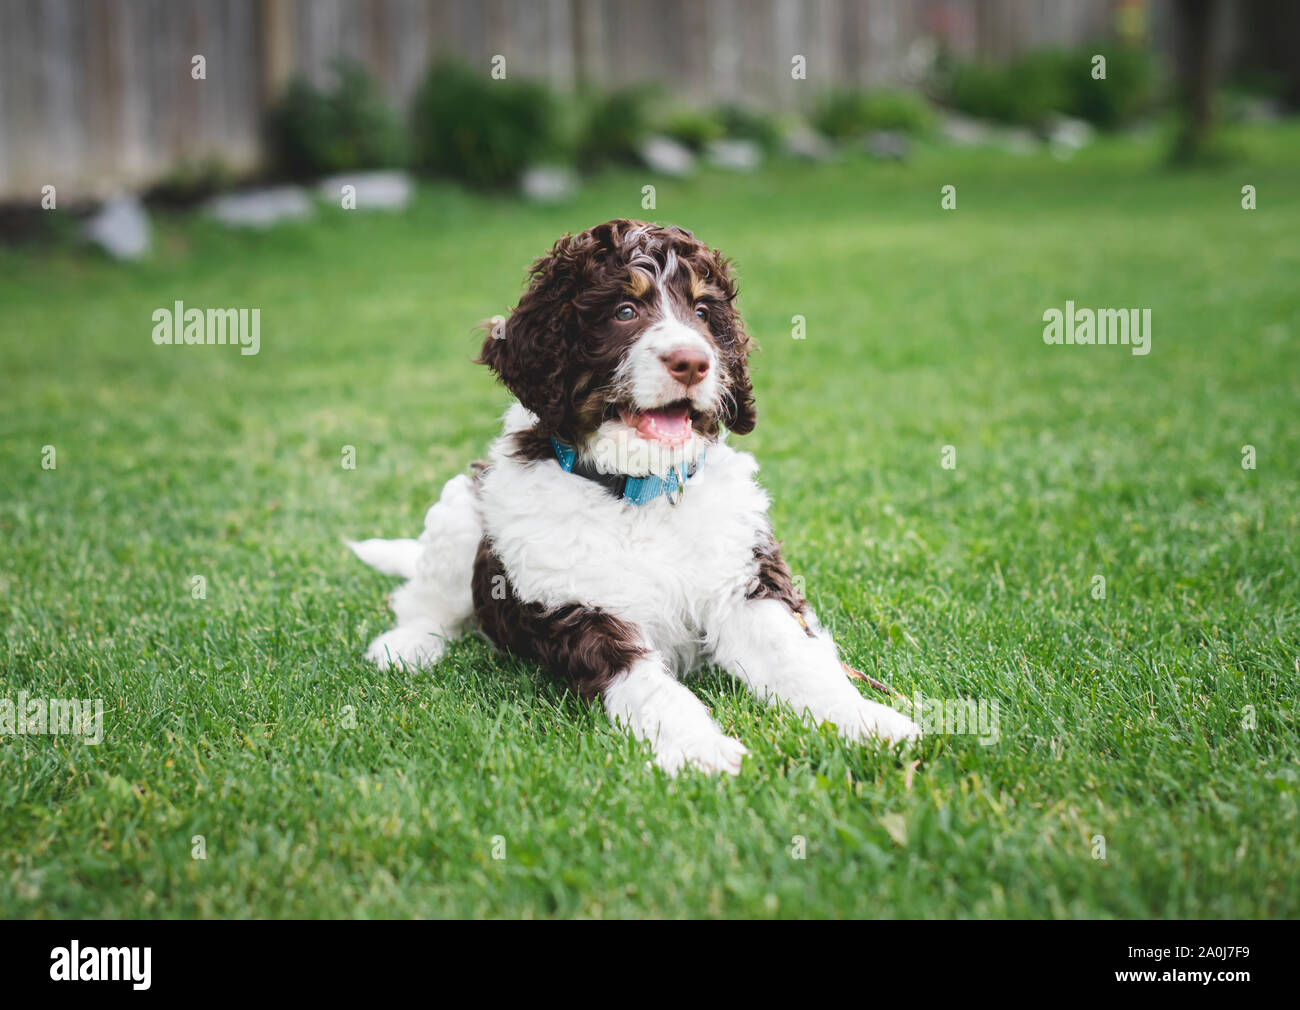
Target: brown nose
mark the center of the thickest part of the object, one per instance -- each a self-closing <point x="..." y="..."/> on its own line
<point x="686" y="364"/>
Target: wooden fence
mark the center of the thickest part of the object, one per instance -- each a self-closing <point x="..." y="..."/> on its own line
<point x="97" y="95"/>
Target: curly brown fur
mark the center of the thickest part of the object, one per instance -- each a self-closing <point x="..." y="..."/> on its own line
<point x="533" y="444"/>
<point x="585" y="646"/>
<point x="774" y="580"/>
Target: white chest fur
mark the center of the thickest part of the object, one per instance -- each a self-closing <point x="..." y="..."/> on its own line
<point x="668" y="568"/>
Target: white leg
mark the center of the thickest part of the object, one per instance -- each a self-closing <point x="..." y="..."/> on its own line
<point x="652" y="705"/>
<point x="762" y="643"/>
<point x="434" y="605"/>
<point x="417" y="643"/>
<point x="428" y="617"/>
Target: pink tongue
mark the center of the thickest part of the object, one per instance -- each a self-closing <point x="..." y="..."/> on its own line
<point x="671" y="424"/>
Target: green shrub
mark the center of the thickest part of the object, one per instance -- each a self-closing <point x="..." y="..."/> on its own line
<point x="482" y="131"/>
<point x="1029" y="90"/>
<point x="1025" y="92"/>
<point x="837" y="115"/>
<point x="1128" y="91"/>
<point x="743" y="123"/>
<point x="613" y="125"/>
<point x="847" y="115"/>
<point x="317" y="132"/>
<point x="693" y="128"/>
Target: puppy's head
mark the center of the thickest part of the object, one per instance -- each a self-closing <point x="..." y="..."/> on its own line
<point x="628" y="334"/>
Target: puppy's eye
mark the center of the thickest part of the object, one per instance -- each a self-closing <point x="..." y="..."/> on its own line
<point x="702" y="312"/>
<point x="625" y="313"/>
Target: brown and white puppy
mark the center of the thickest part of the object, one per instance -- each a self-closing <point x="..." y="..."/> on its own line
<point x="614" y="535"/>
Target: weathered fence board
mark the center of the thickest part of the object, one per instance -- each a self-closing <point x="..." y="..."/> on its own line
<point x="96" y="95"/>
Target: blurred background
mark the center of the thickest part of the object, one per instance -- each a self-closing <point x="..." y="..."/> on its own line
<point x="99" y="97"/>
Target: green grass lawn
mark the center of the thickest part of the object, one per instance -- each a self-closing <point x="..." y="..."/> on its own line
<point x="1162" y="718"/>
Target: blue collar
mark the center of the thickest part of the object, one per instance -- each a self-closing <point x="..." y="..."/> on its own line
<point x="632" y="490"/>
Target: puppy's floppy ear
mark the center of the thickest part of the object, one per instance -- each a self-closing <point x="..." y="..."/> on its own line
<point x="739" y="412"/>
<point x="529" y="350"/>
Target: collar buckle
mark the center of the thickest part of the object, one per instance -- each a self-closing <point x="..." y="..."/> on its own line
<point x="679" y="472"/>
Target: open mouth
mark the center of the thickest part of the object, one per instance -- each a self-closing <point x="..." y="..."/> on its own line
<point x="670" y="424"/>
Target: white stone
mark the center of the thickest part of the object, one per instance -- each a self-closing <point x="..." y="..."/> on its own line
<point x="121" y="228"/>
<point x="548" y="184"/>
<point x="260" y="208"/>
<point x="667" y="157"/>
<point x="806" y="143"/>
<point x="374" y="190"/>
<point x="888" y="145"/>
<point x="1067" y="135"/>
<point x="964" y="131"/>
<point x="735" y="155"/>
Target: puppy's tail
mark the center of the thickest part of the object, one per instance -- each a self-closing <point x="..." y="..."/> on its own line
<point x="392" y="557"/>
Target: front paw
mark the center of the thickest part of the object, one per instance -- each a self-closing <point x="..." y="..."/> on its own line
<point x="710" y="754"/>
<point x="411" y="648"/>
<point x="861" y="719"/>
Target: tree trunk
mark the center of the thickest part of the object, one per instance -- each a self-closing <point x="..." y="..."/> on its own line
<point x="1196" y="74"/>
